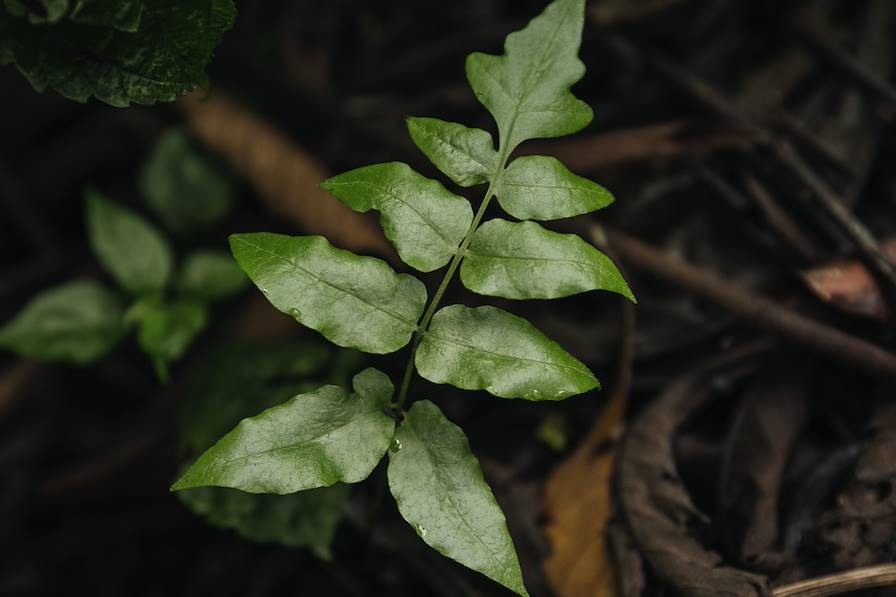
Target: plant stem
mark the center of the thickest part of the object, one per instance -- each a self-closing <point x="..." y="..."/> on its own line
<point x="443" y="286"/>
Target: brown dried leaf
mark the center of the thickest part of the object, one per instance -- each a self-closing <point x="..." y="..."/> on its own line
<point x="578" y="499"/>
<point x="286" y="177"/>
<point x="850" y="286"/>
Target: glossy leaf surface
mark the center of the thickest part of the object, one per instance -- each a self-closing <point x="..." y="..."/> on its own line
<point x="440" y="491"/>
<point x="76" y="323"/>
<point x="527" y="89"/>
<point x="356" y="302"/>
<point x="522" y="260"/>
<point x="486" y="348"/>
<point x="210" y="275"/>
<point x="131" y="249"/>
<point x="424" y="221"/>
<point x="467" y="156"/>
<point x="541" y="188"/>
<point x="314" y="440"/>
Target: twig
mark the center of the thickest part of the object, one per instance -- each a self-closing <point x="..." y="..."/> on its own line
<point x="869" y="577"/>
<point x="757" y="309"/>
<point x="827" y="198"/>
<point x="848" y="64"/>
<point x="781" y="221"/>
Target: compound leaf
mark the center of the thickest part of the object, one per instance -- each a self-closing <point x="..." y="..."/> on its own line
<point x="467" y="156"/>
<point x="527" y="89"/>
<point x="522" y="260"/>
<point x="184" y="187"/>
<point x="440" y="491"/>
<point x="313" y="440"/>
<point x="486" y="348"/>
<point x="75" y="323"/>
<point x="210" y="275"/>
<point x="541" y="188"/>
<point x="424" y="221"/>
<point x="355" y="302"/>
<point x="167" y="330"/>
<point x="129" y="247"/>
<point x="163" y="58"/>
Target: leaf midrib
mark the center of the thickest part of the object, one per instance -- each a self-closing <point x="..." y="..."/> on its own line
<point x="410" y="324"/>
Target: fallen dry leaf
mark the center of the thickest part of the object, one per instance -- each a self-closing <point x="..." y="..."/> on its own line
<point x="850" y="286"/>
<point x="286" y="177"/>
<point x="578" y="498"/>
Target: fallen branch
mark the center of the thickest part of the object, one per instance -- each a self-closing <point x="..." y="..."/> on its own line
<point x="756" y="309"/>
<point x="869" y="577"/>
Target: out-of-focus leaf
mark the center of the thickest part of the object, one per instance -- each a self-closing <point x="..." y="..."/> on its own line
<point x="185" y="188"/>
<point x="440" y="491"/>
<point x="487" y="348"/>
<point x="467" y="156"/>
<point x="210" y="275"/>
<point x="167" y="330"/>
<point x="355" y="302"/>
<point x="124" y="15"/>
<point x="129" y="247"/>
<point x="522" y="260"/>
<point x="76" y="323"/>
<point x="313" y="440"/>
<point x="304" y="519"/>
<point x="527" y="89"/>
<point x="424" y="221"/>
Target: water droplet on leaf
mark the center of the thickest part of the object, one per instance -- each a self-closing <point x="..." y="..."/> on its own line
<point x="396" y="446"/>
<point x="420" y="530"/>
<point x="295" y="313"/>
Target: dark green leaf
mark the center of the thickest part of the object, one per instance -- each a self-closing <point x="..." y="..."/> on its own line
<point x="167" y="330"/>
<point x="440" y="491"/>
<point x="164" y="58"/>
<point x="467" y="156"/>
<point x="524" y="261"/>
<point x="541" y="188"/>
<point x="76" y="323"/>
<point x="305" y="519"/>
<point x="183" y="186"/>
<point x="424" y="221"/>
<point x="313" y="440"/>
<point x="129" y="247"/>
<point x="121" y="14"/>
<point x="356" y="302"/>
<point x="240" y="380"/>
<point x="210" y="275"/>
<point x="527" y="89"/>
<point x="489" y="349"/>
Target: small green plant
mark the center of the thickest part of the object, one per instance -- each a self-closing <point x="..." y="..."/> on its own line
<point x="120" y="51"/>
<point x="334" y="435"/>
<point x="83" y="320"/>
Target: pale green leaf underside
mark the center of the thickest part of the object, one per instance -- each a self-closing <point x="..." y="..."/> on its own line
<point x="522" y="260"/>
<point x="467" y="156"/>
<point x="128" y="247"/>
<point x="527" y="89"/>
<point x="75" y="323"/>
<point x="541" y="188"/>
<point x="355" y="302"/>
<point x="424" y="221"/>
<point x="305" y="519"/>
<point x="441" y="493"/>
<point x="184" y="187"/>
<point x="487" y="348"/>
<point x="313" y="440"/>
<point x="210" y="275"/>
<point x="91" y="54"/>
